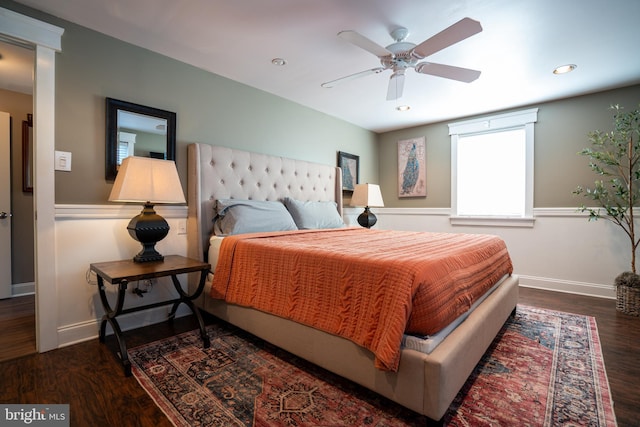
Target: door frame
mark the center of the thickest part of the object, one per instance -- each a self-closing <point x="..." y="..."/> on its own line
<point x="46" y="39"/>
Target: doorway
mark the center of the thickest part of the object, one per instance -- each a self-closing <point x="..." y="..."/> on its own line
<point x="17" y="284"/>
<point x="46" y="40"/>
<point x="5" y="205"/>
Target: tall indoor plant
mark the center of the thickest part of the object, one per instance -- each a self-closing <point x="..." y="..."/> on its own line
<point x="615" y="156"/>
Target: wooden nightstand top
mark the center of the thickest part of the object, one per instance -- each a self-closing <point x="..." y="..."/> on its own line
<point x="117" y="271"/>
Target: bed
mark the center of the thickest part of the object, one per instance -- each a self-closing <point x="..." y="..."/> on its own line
<point x="424" y="382"/>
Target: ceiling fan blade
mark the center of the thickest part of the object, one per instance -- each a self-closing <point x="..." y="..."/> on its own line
<point x="332" y="83"/>
<point x="396" y="85"/>
<point x="457" y="32"/>
<point x="364" y="43"/>
<point x="448" y="71"/>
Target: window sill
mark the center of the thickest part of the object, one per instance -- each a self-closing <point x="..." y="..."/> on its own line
<point x="493" y="221"/>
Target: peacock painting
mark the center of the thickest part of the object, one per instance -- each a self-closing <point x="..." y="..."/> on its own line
<point x="411" y="168"/>
<point x="349" y="164"/>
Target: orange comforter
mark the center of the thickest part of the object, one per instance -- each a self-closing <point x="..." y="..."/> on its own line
<point x="369" y="286"/>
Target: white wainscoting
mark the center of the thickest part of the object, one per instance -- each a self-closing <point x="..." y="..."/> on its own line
<point x="88" y="234"/>
<point x="563" y="251"/>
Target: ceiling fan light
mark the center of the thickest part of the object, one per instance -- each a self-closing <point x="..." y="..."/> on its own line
<point x="563" y="69"/>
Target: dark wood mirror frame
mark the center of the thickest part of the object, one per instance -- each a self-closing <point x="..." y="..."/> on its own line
<point x="112" y="108"/>
<point x="27" y="154"/>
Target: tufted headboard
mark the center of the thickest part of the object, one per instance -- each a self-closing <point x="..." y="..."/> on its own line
<point x="224" y="173"/>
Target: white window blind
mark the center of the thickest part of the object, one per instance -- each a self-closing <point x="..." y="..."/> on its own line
<point x="123" y="151"/>
<point x="126" y="144"/>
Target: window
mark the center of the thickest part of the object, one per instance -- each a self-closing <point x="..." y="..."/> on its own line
<point x="492" y="170"/>
<point x="123" y="151"/>
<point x="126" y="143"/>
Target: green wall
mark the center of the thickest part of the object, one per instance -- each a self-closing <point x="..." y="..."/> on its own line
<point x="215" y="110"/>
<point x="210" y="109"/>
<point x="560" y="133"/>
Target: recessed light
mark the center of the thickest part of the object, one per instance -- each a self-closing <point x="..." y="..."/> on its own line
<point x="279" y="62"/>
<point x="403" y="108"/>
<point x="563" y="69"/>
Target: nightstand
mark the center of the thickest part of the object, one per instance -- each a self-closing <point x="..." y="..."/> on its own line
<point x="120" y="273"/>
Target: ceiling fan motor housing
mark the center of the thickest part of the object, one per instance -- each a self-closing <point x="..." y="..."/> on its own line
<point x="402" y="56"/>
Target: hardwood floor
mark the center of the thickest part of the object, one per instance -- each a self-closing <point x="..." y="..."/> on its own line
<point x="18" y="325"/>
<point x="88" y="376"/>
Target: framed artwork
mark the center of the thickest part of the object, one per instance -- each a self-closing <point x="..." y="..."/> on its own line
<point x="350" y="165"/>
<point x="412" y="170"/>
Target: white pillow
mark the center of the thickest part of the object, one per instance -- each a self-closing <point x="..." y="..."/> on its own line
<point x="311" y="215"/>
<point x="235" y="216"/>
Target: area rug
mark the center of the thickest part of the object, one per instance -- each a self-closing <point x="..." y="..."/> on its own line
<point x="544" y="368"/>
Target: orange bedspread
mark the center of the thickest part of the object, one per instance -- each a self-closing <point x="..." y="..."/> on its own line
<point x="369" y="286"/>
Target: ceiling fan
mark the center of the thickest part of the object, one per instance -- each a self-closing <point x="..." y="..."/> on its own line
<point x="401" y="55"/>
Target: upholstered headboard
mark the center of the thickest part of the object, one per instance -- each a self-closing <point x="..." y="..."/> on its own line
<point x="224" y="173"/>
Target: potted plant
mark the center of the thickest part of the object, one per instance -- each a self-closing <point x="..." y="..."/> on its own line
<point x="615" y="156"/>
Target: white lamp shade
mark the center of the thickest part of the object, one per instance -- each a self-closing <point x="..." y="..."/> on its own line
<point x="143" y="179"/>
<point x="367" y="195"/>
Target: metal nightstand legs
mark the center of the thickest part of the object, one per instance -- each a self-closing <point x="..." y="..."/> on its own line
<point x="111" y="314"/>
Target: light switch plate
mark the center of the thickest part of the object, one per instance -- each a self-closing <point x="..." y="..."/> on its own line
<point x="182" y="226"/>
<point x="63" y="161"/>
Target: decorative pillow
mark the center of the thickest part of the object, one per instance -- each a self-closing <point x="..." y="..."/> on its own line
<point x="250" y="216"/>
<point x="311" y="215"/>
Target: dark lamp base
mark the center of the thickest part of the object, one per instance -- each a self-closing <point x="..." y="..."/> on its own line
<point x="148" y="228"/>
<point x="148" y="255"/>
<point x="367" y="218"/>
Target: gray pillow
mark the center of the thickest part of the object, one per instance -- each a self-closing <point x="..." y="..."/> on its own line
<point x="235" y="216"/>
<point x="311" y="215"/>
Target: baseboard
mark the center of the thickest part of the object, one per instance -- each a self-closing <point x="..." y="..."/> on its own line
<point x="85" y="331"/>
<point x="568" y="286"/>
<point x="22" y="289"/>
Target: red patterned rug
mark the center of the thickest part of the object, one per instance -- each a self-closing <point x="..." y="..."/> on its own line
<point x="545" y="368"/>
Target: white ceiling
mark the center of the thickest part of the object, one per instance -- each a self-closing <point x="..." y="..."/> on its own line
<point x="16" y="68"/>
<point x="521" y="43"/>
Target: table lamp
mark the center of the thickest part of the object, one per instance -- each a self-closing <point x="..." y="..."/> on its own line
<point x="367" y="195"/>
<point x="150" y="181"/>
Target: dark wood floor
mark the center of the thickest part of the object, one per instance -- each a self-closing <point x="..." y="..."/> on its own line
<point x="18" y="327"/>
<point x="89" y="378"/>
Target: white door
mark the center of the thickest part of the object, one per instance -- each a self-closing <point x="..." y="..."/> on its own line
<point x="5" y="206"/>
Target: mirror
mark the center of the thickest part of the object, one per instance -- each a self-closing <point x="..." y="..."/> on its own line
<point x="137" y="130"/>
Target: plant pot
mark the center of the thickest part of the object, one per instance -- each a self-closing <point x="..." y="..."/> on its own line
<point x="628" y="300"/>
